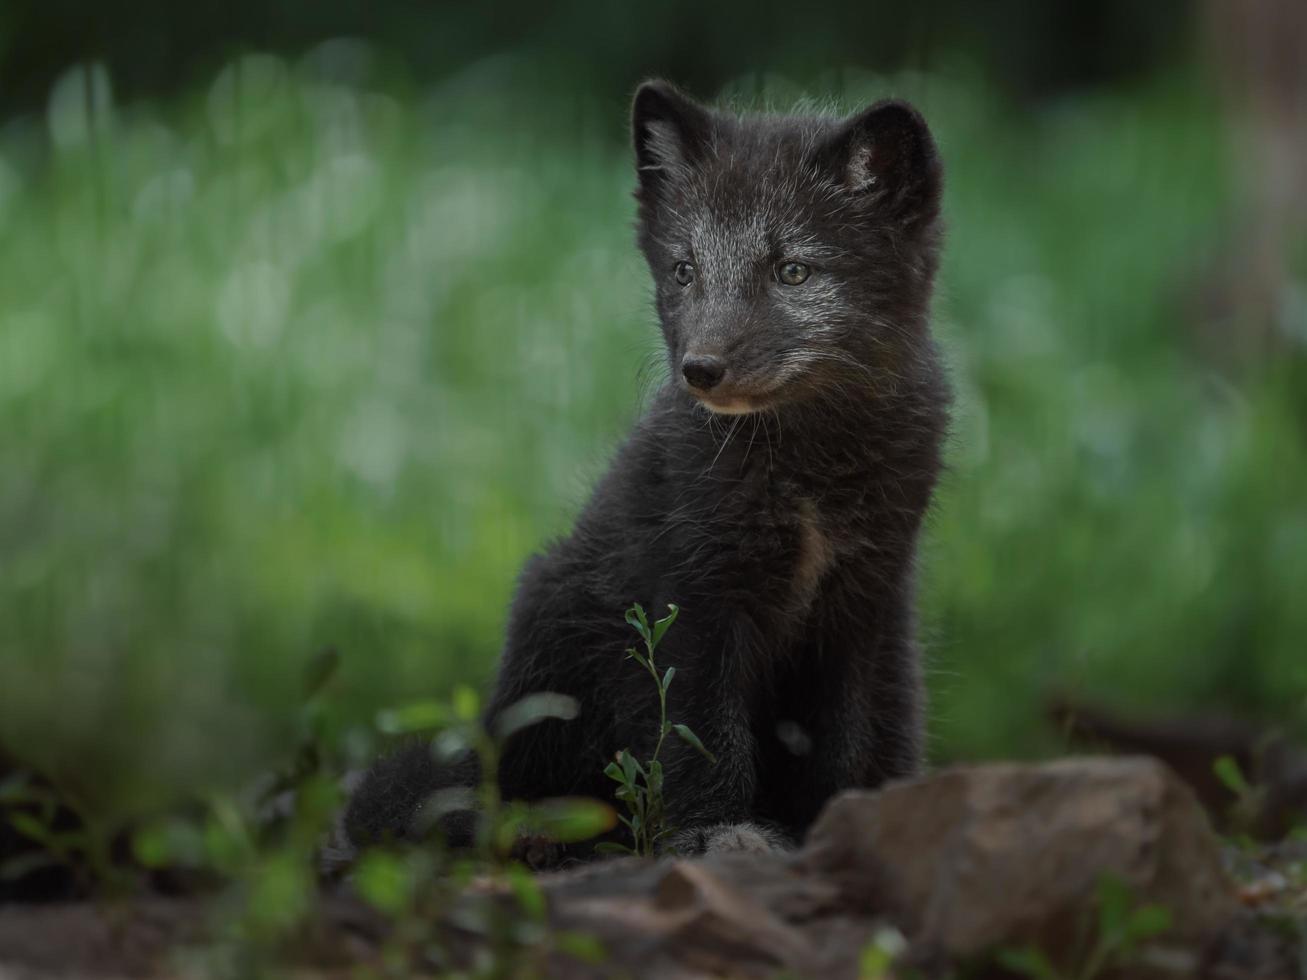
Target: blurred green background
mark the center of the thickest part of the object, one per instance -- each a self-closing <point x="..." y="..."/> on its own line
<point x="315" y="321"/>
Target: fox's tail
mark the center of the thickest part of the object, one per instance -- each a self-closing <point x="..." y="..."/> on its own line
<point x="394" y="800"/>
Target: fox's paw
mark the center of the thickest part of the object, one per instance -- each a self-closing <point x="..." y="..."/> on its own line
<point x="747" y="838"/>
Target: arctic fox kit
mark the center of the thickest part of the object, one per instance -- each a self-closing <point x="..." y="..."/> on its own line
<point x="774" y="490"/>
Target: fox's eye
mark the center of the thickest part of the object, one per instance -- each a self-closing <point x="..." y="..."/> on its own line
<point x="684" y="273"/>
<point x="792" y="273"/>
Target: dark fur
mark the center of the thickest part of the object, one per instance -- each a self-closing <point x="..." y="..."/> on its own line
<point x="801" y="689"/>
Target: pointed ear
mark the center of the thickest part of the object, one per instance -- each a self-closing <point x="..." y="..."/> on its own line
<point x="670" y="131"/>
<point x="887" y="154"/>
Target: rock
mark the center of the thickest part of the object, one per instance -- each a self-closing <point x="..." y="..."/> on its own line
<point x="738" y="915"/>
<point x="973" y="857"/>
<point x="963" y="862"/>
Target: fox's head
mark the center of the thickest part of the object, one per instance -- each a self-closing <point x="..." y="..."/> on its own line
<point x="792" y="256"/>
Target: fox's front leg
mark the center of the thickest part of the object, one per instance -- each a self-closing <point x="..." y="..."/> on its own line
<point x="868" y="706"/>
<point x="710" y="802"/>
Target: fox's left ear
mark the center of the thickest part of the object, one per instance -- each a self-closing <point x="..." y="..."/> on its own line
<point x="887" y="151"/>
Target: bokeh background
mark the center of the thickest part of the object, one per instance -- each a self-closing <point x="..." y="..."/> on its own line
<point x="315" y="320"/>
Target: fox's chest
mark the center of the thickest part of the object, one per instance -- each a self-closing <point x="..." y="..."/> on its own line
<point x="773" y="542"/>
<point x="794" y="541"/>
<point x="826" y="542"/>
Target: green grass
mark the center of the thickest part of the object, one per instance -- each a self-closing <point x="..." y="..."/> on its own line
<point x="289" y="363"/>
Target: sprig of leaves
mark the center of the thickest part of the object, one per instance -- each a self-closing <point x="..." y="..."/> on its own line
<point x="640" y="785"/>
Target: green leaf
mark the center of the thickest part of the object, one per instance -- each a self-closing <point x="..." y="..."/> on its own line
<point x="878" y="956"/>
<point x="466" y="703"/>
<point x="691" y="739"/>
<point x="382" y="881"/>
<point x="227" y="841"/>
<point x="612" y="847"/>
<point x="418" y="716"/>
<point x="1114" y="901"/>
<point x="664" y="624"/>
<point x="581" y="945"/>
<point x="319" y="671"/>
<point x="151" y="847"/>
<point x="1231" y="776"/>
<point x="451" y="743"/>
<point x="614" y="772"/>
<point x="33" y="829"/>
<point x="281" y="892"/>
<point x="1148" y="921"/>
<point x="636" y="618"/>
<point x="571" y="819"/>
<point x="452" y="799"/>
<point x="171" y="841"/>
<point x="1028" y="961"/>
<point x="667" y="678"/>
<point x="533" y="709"/>
<point x="630" y="766"/>
<point x="514" y="821"/>
<point x="655" y="779"/>
<point x="530" y="897"/>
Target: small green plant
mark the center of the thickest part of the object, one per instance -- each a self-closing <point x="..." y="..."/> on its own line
<point x="61" y="830"/>
<point x="640" y="784"/>
<point x="1249" y="799"/>
<point x="423" y="890"/>
<point x="876" y="960"/>
<point x="256" y="850"/>
<point x="1122" y="926"/>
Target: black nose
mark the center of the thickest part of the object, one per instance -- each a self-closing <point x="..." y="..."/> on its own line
<point x="703" y="371"/>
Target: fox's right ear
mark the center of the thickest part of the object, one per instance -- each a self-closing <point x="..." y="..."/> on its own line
<point x="670" y="131"/>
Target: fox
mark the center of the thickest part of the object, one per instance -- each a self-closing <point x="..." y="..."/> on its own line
<point x="774" y="489"/>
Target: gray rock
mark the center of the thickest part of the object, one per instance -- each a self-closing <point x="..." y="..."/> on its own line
<point x="975" y="856"/>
